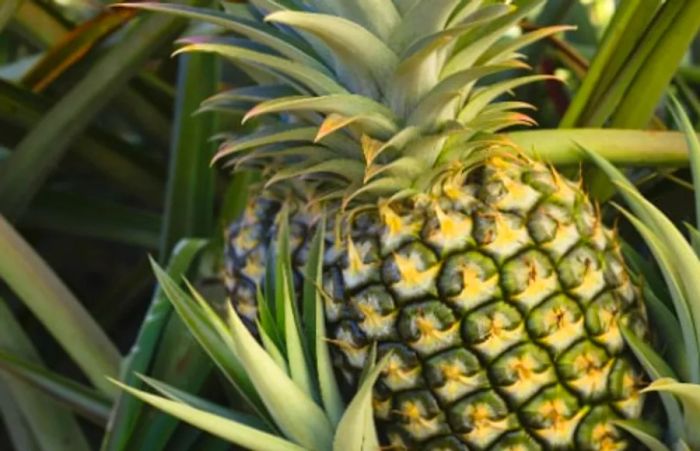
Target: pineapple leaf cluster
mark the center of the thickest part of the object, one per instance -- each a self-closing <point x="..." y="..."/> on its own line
<point x="370" y="99"/>
<point x="289" y="398"/>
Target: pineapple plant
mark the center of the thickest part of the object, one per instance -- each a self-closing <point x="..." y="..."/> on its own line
<point x="410" y="273"/>
<point x="485" y="276"/>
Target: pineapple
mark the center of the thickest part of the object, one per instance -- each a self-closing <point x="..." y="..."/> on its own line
<point x="486" y="277"/>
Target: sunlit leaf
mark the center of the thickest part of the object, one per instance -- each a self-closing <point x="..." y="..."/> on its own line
<point x="297" y="415"/>
<point x="232" y="431"/>
<point x="352" y="433"/>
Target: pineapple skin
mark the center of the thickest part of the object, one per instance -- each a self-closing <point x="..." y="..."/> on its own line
<point x="499" y="295"/>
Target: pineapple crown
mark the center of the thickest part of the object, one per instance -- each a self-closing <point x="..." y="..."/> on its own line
<point x="362" y="99"/>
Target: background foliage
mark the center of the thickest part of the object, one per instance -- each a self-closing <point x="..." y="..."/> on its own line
<point x="104" y="160"/>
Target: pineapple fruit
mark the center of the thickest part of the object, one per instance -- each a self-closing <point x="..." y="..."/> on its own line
<point x="487" y="276"/>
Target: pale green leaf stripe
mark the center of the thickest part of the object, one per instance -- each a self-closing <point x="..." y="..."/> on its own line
<point x="485" y="96"/>
<point x="298" y="366"/>
<point x="620" y="147"/>
<point x="342" y="167"/>
<point x="281" y="265"/>
<point x="330" y="393"/>
<point x="371" y="113"/>
<point x="267" y="136"/>
<point x="80" y="399"/>
<point x="643" y="436"/>
<point x="689" y="394"/>
<point x="310" y="77"/>
<point x="52" y="426"/>
<point x="232" y="431"/>
<point x="272" y="349"/>
<point x="351" y="433"/>
<point x="310" y="292"/>
<point x="38" y="153"/>
<point x="294" y="412"/>
<point x="184" y="397"/>
<point x="126" y="409"/>
<point x="57" y="308"/>
<point x="315" y="328"/>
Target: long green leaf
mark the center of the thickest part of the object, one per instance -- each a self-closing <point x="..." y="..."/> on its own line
<point x="189" y="212"/>
<point x="78" y="398"/>
<point x="266" y="36"/>
<point x="310" y="77"/>
<point x="312" y="279"/>
<point x="203" y="404"/>
<point x="631" y="18"/>
<point x="683" y="257"/>
<point x="372" y="115"/>
<point x="328" y="384"/>
<point x="689" y="395"/>
<point x="34" y="158"/>
<point x="693" y="141"/>
<point x="652" y="79"/>
<point x="57" y="308"/>
<point x="232" y="431"/>
<point x="657" y="369"/>
<point x="19" y="434"/>
<point x="113" y="159"/>
<point x="207" y="328"/>
<point x="51" y="425"/>
<point x="299" y="367"/>
<point x="669" y="333"/>
<point x="189" y="207"/>
<point x="140" y="357"/>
